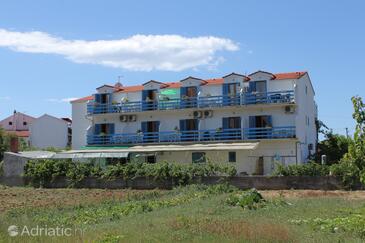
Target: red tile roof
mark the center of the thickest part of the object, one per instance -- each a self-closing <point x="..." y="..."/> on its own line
<point x="293" y="75"/>
<point x="127" y="89"/>
<point x="22" y="134"/>
<point x="214" y="81"/>
<point x="83" y="99"/>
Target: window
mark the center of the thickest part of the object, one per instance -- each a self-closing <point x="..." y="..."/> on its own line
<point x="198" y="157"/>
<point x="24" y="123"/>
<point x="306" y="89"/>
<point x="151" y="159"/>
<point x="10" y="123"/>
<point x="232" y="156"/>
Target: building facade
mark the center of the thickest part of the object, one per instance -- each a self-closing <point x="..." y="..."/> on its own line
<point x="18" y="123"/>
<point x="48" y="131"/>
<point x="253" y="121"/>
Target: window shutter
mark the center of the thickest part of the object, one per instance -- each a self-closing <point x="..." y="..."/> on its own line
<point x="225" y="88"/>
<point x="251" y="86"/>
<point x="269" y="120"/>
<point x="110" y="96"/>
<point x="225" y="122"/>
<point x="98" y="98"/>
<point x="144" y="126"/>
<point x="97" y="128"/>
<point x="158" y="126"/>
<point x="144" y="95"/>
<point x="183" y="91"/>
<point x="252" y="122"/>
<point x="182" y="125"/>
<point x="111" y="127"/>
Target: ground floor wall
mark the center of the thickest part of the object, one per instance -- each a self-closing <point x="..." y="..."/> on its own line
<point x="260" y="161"/>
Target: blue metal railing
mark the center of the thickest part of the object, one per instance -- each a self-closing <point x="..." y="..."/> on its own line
<point x="193" y="136"/>
<point x="194" y="102"/>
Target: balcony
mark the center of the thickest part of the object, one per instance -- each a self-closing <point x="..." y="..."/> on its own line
<point x="193" y="136"/>
<point x="194" y="102"/>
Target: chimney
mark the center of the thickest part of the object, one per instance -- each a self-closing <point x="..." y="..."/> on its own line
<point x="14" y="144"/>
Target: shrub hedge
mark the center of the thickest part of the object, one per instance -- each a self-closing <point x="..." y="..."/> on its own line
<point x="44" y="171"/>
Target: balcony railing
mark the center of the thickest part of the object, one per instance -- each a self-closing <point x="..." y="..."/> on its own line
<point x="194" y="102"/>
<point x="193" y="136"/>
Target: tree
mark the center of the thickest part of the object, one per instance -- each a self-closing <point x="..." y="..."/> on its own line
<point x="334" y="146"/>
<point x="357" y="149"/>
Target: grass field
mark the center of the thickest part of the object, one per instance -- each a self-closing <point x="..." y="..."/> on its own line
<point x="190" y="214"/>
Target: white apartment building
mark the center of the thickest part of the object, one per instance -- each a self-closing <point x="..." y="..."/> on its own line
<point x="252" y="121"/>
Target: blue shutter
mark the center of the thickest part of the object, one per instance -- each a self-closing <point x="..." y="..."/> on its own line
<point x="252" y="121"/>
<point x="225" y="122"/>
<point x="251" y="86"/>
<point x="225" y="89"/>
<point x="269" y="120"/>
<point x="158" y="126"/>
<point x="97" y="128"/>
<point x="240" y="122"/>
<point x="98" y="98"/>
<point x="183" y="91"/>
<point x="144" y="95"/>
<point x="144" y="126"/>
<point x="182" y="125"/>
<point x="111" y="127"/>
<point x="110" y="96"/>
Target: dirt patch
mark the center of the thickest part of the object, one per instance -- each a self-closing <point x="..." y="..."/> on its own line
<point x="236" y="229"/>
<point x="19" y="197"/>
<point x="352" y="195"/>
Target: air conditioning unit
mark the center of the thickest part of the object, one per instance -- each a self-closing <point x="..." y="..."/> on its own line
<point x="132" y="118"/>
<point x="198" y="114"/>
<point x="123" y="118"/>
<point x="208" y="113"/>
<point x="289" y="109"/>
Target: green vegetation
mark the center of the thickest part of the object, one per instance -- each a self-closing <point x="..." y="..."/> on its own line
<point x="41" y="172"/>
<point x="194" y="213"/>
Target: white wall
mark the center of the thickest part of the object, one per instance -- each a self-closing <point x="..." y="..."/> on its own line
<point x="79" y="124"/>
<point x="306" y="112"/>
<point x="48" y="131"/>
<point x="246" y="160"/>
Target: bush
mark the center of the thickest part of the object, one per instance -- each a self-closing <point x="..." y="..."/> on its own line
<point x="348" y="172"/>
<point x="44" y="171"/>
<point x="250" y="199"/>
<point x="309" y="169"/>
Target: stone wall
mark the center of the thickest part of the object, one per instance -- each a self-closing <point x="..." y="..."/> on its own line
<point x="242" y="182"/>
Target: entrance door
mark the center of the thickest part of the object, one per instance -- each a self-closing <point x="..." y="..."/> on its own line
<point x="150" y="130"/>
<point x="189" y="129"/>
<point x="260" y="127"/>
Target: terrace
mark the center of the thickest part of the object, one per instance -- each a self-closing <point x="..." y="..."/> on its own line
<point x="193" y="136"/>
<point x="284" y="97"/>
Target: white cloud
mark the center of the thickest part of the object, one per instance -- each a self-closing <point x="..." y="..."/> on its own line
<point x="63" y="100"/>
<point x="138" y="52"/>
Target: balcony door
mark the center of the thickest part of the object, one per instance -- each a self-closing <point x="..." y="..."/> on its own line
<point x="189" y="129"/>
<point x="149" y="99"/>
<point x="188" y="96"/>
<point x="257" y="92"/>
<point x="104" y="133"/>
<point x="231" y="128"/>
<point x="260" y="127"/>
<point x="150" y="130"/>
<point x="231" y="94"/>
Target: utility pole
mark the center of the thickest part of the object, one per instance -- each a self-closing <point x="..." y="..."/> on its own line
<point x="347" y="132"/>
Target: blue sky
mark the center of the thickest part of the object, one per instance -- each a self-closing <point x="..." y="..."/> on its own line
<point x="321" y="37"/>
